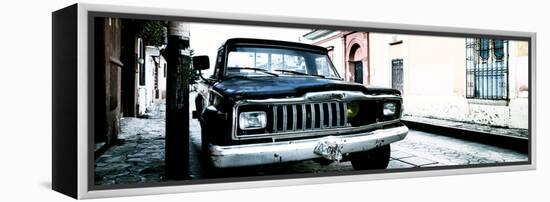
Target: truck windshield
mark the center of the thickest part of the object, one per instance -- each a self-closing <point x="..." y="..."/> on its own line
<point x="246" y="61"/>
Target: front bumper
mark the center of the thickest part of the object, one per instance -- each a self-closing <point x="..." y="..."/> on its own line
<point x="298" y="150"/>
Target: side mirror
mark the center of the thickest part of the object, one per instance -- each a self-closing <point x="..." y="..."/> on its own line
<point x="201" y="62"/>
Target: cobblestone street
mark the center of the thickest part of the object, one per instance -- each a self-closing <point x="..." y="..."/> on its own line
<point x="140" y="156"/>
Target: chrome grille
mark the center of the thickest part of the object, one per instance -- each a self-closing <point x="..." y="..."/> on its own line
<point x="311" y="116"/>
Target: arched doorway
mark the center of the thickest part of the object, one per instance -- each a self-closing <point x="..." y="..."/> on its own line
<point x="357" y="57"/>
<point x="355" y="66"/>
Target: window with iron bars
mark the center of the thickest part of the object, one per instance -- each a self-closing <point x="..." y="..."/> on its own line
<point x="486" y="69"/>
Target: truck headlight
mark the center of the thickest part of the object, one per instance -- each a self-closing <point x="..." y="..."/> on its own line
<point x="252" y="120"/>
<point x="389" y="109"/>
<point x="353" y="109"/>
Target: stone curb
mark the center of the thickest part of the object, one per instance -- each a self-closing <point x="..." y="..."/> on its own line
<point x="509" y="142"/>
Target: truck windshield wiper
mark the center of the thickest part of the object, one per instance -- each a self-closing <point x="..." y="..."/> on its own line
<point x="297" y="72"/>
<point x="254" y="69"/>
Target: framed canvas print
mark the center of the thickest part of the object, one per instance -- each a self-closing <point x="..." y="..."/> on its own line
<point x="149" y="101"/>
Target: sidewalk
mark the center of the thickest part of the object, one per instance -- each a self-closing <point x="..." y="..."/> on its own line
<point x="511" y="138"/>
<point x="139" y="156"/>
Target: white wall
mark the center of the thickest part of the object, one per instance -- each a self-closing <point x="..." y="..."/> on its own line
<point x="519" y="84"/>
<point x="162" y="78"/>
<point x="146" y="92"/>
<point x="380" y="63"/>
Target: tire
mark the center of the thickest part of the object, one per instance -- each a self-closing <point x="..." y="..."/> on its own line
<point x="204" y="140"/>
<point x="209" y="170"/>
<point x="377" y="158"/>
<point x="204" y="132"/>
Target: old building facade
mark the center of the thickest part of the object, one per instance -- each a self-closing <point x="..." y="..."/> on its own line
<point x="108" y="70"/>
<point x="474" y="80"/>
<point x="152" y="79"/>
<point x="129" y="76"/>
<point x="349" y="51"/>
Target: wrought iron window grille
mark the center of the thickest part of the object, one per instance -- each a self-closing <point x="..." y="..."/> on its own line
<point x="487" y="69"/>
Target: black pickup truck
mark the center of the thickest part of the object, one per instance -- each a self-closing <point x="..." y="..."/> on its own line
<point x="274" y="101"/>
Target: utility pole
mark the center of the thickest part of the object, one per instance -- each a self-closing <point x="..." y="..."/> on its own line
<point x="177" y="102"/>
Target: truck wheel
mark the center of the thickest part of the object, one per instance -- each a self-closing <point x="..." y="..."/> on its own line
<point x="208" y="168"/>
<point x="204" y="140"/>
<point x="377" y="158"/>
<point x="204" y="132"/>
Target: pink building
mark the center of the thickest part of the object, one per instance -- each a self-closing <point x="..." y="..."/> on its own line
<point x="349" y="52"/>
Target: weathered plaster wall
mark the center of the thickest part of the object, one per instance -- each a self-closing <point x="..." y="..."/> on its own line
<point x="146" y="92"/>
<point x="434" y="80"/>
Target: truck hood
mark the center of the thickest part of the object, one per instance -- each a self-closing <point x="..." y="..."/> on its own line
<point x="289" y="86"/>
